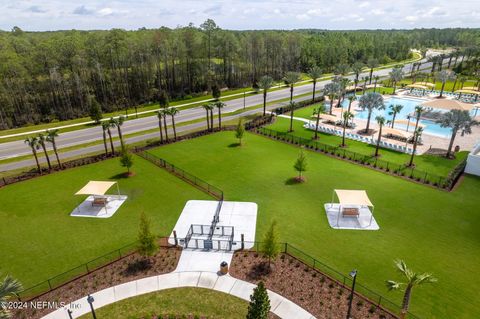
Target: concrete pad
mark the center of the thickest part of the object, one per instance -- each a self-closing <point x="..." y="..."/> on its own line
<point x="243" y="216"/>
<point x="207" y="280"/>
<point x="168" y="281"/>
<point x="242" y="289"/>
<point x="125" y="290"/>
<point x="195" y="212"/>
<point x="147" y="285"/>
<point x="288" y="310"/>
<point x="199" y="260"/>
<point x="365" y="220"/>
<point x="188" y="279"/>
<point x="85" y="209"/>
<point x="224" y="284"/>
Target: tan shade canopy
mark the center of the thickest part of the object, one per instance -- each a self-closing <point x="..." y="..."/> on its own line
<point x="425" y="84"/>
<point x="472" y="88"/>
<point x="412" y="123"/>
<point x="95" y="188"/>
<point x="353" y="197"/>
<point x="396" y="132"/>
<point x="446" y="104"/>
<point x="417" y="86"/>
<point x="328" y="117"/>
<point x="467" y="91"/>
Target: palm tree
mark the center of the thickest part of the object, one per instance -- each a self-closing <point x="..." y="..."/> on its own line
<point x="290" y="79"/>
<point x="365" y="79"/>
<point x="164" y="112"/>
<point x="318" y="111"/>
<point x="347" y="116"/>
<point x="265" y="83"/>
<point x="457" y="120"/>
<point x="314" y="73"/>
<point x="381" y="122"/>
<point x="396" y="75"/>
<point x="219" y="105"/>
<point x="351" y="98"/>
<point x="291" y="105"/>
<point x="371" y="101"/>
<point x="110" y="125"/>
<point x="357" y="68"/>
<point x="9" y="287"/>
<point x="210" y="109"/>
<point x="342" y="69"/>
<point x="105" y="127"/>
<point x="394" y="110"/>
<point x="412" y="280"/>
<point x="376" y="77"/>
<point x="118" y="122"/>
<point x="51" y="136"/>
<point x="207" y="107"/>
<point x="332" y="90"/>
<point x="172" y="111"/>
<point x="416" y="136"/>
<point x="418" y="113"/>
<point x="160" y="116"/>
<point x="372" y="63"/>
<point x="444" y="76"/>
<point x="41" y="141"/>
<point x="33" y="143"/>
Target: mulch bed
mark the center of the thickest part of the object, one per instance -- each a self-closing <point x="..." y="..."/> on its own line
<point x="131" y="267"/>
<point x="307" y="287"/>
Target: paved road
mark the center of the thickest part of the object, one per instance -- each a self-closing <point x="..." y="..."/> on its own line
<point x="67" y="139"/>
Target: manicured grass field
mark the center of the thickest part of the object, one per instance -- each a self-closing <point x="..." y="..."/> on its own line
<point x="432" y="230"/>
<point x="432" y="164"/>
<point x="39" y="239"/>
<point x="180" y="301"/>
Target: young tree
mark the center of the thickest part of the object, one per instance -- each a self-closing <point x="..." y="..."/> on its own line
<point x="381" y="122"/>
<point x="41" y="140"/>
<point x="259" y="306"/>
<point x="9" y="287"/>
<point x="370" y="101"/>
<point x="95" y="111"/>
<point x="314" y="73"/>
<point x="265" y="83"/>
<point x="271" y="248"/>
<point x="300" y="165"/>
<point x="317" y="112"/>
<point x="51" y="136"/>
<point x="394" y="110"/>
<point x="126" y="159"/>
<point x="147" y="246"/>
<point x="457" y="120"/>
<point x="216" y="93"/>
<point x="240" y="131"/>
<point x="347" y="116"/>
<point x="163" y="99"/>
<point x="413" y="279"/>
<point x="416" y="136"/>
<point x="32" y="142"/>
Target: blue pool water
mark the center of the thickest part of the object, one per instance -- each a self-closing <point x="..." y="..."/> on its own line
<point x="431" y="127"/>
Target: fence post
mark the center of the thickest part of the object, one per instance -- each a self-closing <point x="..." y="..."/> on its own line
<point x="175" y="237"/>
<point x="88" y="270"/>
<point x="242" y="238"/>
<point x="380" y="300"/>
<point x="49" y="284"/>
<point x="286" y="248"/>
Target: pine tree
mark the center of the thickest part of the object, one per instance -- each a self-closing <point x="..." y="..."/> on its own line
<point x="126" y="159"/>
<point x="95" y="111"/>
<point x="300" y="165"/>
<point x="270" y="247"/>
<point x="240" y="131"/>
<point x="146" y="240"/>
<point x="259" y="306"/>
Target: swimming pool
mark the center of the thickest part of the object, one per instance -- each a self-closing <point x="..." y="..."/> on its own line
<point x="409" y="105"/>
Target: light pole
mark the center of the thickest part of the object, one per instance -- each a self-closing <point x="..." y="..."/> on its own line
<point x="90" y="300"/>
<point x="353" y="274"/>
<point x="69" y="313"/>
<point x="244" y="93"/>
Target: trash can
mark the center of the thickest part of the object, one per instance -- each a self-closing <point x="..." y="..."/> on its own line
<point x="224" y="268"/>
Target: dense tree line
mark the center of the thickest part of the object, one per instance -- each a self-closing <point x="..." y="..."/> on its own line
<point x="46" y="76"/>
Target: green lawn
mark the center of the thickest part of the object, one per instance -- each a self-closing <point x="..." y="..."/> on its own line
<point x="180" y="301"/>
<point x="432" y="230"/>
<point x="433" y="164"/>
<point x="39" y="239"/>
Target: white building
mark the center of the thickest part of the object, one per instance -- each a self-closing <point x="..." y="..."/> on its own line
<point x="473" y="161"/>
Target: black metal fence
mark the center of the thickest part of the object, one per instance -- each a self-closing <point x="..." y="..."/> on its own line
<point x="445" y="182"/>
<point x="190" y="178"/>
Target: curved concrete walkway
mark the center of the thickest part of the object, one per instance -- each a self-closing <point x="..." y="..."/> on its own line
<point x="280" y="306"/>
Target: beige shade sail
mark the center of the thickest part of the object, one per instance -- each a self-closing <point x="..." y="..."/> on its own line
<point x="412" y="123"/>
<point x="396" y="132"/>
<point x="353" y="197"/>
<point x="327" y="117"/>
<point x="446" y="104"/>
<point x="417" y="86"/>
<point x="431" y="85"/>
<point x="466" y="91"/>
<point x="95" y="188"/>
<point x="472" y="88"/>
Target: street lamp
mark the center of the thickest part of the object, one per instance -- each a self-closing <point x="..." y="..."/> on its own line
<point x="353" y="274"/>
<point x="69" y="313"/>
<point x="90" y="300"/>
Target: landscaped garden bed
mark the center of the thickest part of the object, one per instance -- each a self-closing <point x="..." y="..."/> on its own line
<point x="129" y="268"/>
<point x="317" y="293"/>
